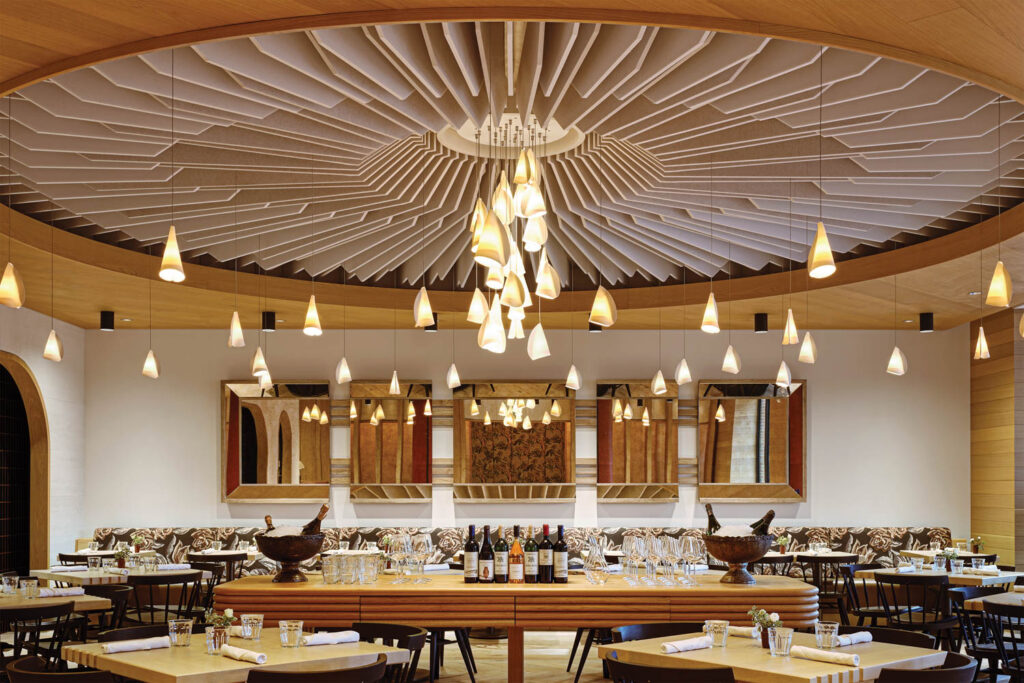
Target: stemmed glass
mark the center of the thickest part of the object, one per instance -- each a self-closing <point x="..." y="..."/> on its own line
<point x="595" y="566"/>
<point x="670" y="553"/>
<point x="628" y="542"/>
<point x="422" y="549"/>
<point x="654" y="556"/>
<point x="637" y="551"/>
<point x="690" y="554"/>
<point x="398" y="549"/>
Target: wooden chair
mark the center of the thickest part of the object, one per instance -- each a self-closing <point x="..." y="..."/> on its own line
<point x="601" y="636"/>
<point x="957" y="668"/>
<point x="232" y="562"/>
<point x="916" y="602"/>
<point x="371" y="673"/>
<point x="974" y="636"/>
<point x="1006" y="624"/>
<point x="411" y="638"/>
<point x="159" y="598"/>
<point x="894" y="636"/>
<point x="624" y="634"/>
<point x="858" y="595"/>
<point x="635" y="673"/>
<point x="216" y="571"/>
<point x="35" y="670"/>
<point x="107" y="618"/>
<point x="27" y="625"/>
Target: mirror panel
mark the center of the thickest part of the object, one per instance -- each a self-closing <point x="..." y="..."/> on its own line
<point x="390" y="437"/>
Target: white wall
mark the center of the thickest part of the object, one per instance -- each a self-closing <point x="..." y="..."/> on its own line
<point x="883" y="450"/>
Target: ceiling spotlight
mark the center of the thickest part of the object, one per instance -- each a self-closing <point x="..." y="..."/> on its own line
<point x="594" y="327"/>
<point x="760" y="323"/>
<point x="926" y="322"/>
<point x="126" y="320"/>
<point x="269" y="321"/>
<point x="107" y="321"/>
<point x="433" y="326"/>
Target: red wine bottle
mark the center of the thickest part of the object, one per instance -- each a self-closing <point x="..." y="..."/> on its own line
<point x="500" y="558"/>
<point x="313" y="526"/>
<point x="485" y="561"/>
<point x="545" y="558"/>
<point x="561" y="558"/>
<point x="470" y="556"/>
<point x="531" y="556"/>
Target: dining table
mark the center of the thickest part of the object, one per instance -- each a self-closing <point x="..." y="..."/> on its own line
<point x="94" y="577"/>
<point x="108" y="553"/>
<point x="83" y="603"/>
<point x="1002" y="578"/>
<point x="751" y="662"/>
<point x="192" y="664"/>
<point x="929" y="554"/>
<point x="1013" y="598"/>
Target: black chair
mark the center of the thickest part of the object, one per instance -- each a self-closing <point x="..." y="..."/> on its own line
<point x="624" y="634"/>
<point x="216" y="571"/>
<point x="35" y="670"/>
<point x="918" y="602"/>
<point x="974" y="637"/>
<point x="634" y="673"/>
<point x="825" y="575"/>
<point x="437" y="645"/>
<point x="601" y="636"/>
<point x="72" y="558"/>
<point x="159" y="598"/>
<point x="108" y="618"/>
<point x="1006" y="624"/>
<point x="894" y="636"/>
<point x="27" y="626"/>
<point x="860" y="596"/>
<point x="371" y="673"/>
<point x="411" y="638"/>
<point x="957" y="668"/>
<point x="138" y="632"/>
<point x="232" y="563"/>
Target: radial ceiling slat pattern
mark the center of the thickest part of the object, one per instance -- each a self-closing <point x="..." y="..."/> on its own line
<point x="317" y="152"/>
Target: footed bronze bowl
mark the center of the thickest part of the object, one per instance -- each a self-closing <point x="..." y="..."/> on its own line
<point x="289" y="551"/>
<point x="737" y="551"/>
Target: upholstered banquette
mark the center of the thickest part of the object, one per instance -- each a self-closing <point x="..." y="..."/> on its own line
<point x="872" y="544"/>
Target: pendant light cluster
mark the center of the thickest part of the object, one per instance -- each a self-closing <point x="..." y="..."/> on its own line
<point x="316" y="414"/>
<point x="624" y="411"/>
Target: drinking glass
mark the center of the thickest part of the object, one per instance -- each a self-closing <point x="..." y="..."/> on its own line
<point x="826" y="633"/>
<point x="121" y="545"/>
<point x="94" y="562"/>
<point x="653" y="559"/>
<point x="29" y="588"/>
<point x="670" y="552"/>
<point x="108" y="562"/>
<point x="215" y="637"/>
<point x="342" y="545"/>
<point x="977" y="562"/>
<point x="348" y="571"/>
<point x="918" y="563"/>
<point x="939" y="564"/>
<point x="935" y="545"/>
<point x="595" y="567"/>
<point x="216" y="545"/>
<point x="291" y="632"/>
<point x="371" y="546"/>
<point x="252" y="626"/>
<point x="422" y="549"/>
<point x="961" y="546"/>
<point x="369" y="568"/>
<point x="691" y="556"/>
<point x="718" y="629"/>
<point x="958" y="566"/>
<point x="627" y="555"/>
<point x="10" y="584"/>
<point x="780" y="640"/>
<point x="180" y="632"/>
<point x="93" y="546"/>
<point x="331" y="569"/>
<point x="398" y="549"/>
<point x="243" y="546"/>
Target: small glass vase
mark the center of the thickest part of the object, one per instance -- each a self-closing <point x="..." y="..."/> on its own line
<point x="764" y="639"/>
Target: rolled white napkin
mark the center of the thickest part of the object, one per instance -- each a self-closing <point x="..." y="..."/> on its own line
<point x="235" y="631"/>
<point x="854" y="638"/>
<point x="988" y="570"/>
<point x="1018" y="589"/>
<point x="243" y="655"/>
<point x="60" y="592"/>
<point x="69" y="568"/>
<point x="685" y="645"/>
<point x="829" y="656"/>
<point x="742" y="631"/>
<point x="171" y="566"/>
<point x="904" y="569"/>
<point x="699" y="567"/>
<point x="330" y="638"/>
<point x="435" y="567"/>
<point x="117" y="570"/>
<point x="139" y="644"/>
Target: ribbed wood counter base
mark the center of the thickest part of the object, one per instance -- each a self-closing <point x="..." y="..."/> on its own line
<point x="448" y="602"/>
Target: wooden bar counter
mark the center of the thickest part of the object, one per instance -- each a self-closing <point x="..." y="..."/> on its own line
<point x="448" y="602"/>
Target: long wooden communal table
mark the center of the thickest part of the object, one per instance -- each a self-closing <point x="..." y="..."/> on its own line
<point x="448" y="602"/>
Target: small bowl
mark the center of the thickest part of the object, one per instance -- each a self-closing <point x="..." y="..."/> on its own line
<point x="737" y="551"/>
<point x="290" y="551"/>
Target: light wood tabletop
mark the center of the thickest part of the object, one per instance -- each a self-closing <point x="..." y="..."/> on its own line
<point x="930" y="554"/>
<point x="192" y="665"/>
<point x="93" y="577"/>
<point x="109" y="553"/>
<point x="954" y="579"/>
<point x="751" y="662"/>
<point x="1013" y="598"/>
<point x="82" y="602"/>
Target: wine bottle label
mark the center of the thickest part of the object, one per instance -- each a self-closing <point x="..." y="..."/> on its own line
<point x="561" y="565"/>
<point x="531" y="563"/>
<point x="469" y="564"/>
<point x="487" y="570"/>
<point x="546" y="557"/>
<point x="515" y="572"/>
<point x="501" y="563"/>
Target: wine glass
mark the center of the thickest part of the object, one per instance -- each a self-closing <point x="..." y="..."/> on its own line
<point x="690" y="554"/>
<point x="422" y="549"/>
<point x="670" y="553"/>
<point x="653" y="557"/>
<point x="397" y="548"/>
<point x="627" y="559"/>
<point x="637" y="552"/>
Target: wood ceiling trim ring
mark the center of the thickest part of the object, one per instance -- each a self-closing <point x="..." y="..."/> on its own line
<point x="576" y="12"/>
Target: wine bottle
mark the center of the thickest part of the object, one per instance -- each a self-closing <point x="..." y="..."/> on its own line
<point x="561" y="558"/>
<point x="485" y="566"/>
<point x="713" y="524"/>
<point x="500" y="558"/>
<point x="532" y="561"/>
<point x="270" y="523"/>
<point x="545" y="558"/>
<point x="761" y="526"/>
<point x="516" y="559"/>
<point x="470" y="557"/>
<point x="313" y="527"/>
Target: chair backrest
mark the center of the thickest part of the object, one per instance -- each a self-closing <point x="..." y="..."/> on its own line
<point x="893" y="636"/>
<point x="371" y="673"/>
<point x="118" y="594"/>
<point x="957" y="668"/>
<point x="989" y="559"/>
<point x="164" y="597"/>
<point x="624" y="634"/>
<point x="910" y="600"/>
<point x="411" y="638"/>
<point x="230" y="561"/>
<point x="71" y="558"/>
<point x="969" y="623"/>
<point x="216" y="572"/>
<point x="137" y="632"/>
<point x="635" y="673"/>
<point x="856" y="592"/>
<point x="35" y="670"/>
<point x="26" y="627"/>
<point x="1006" y="623"/>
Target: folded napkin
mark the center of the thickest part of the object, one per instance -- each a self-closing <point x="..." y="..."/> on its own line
<point x="330" y="638"/>
<point x="235" y="631"/>
<point x="988" y="570"/>
<point x="830" y="656"/>
<point x="116" y="570"/>
<point x="435" y="567"/>
<point x="69" y="568"/>
<point x="173" y="566"/>
<point x="699" y="643"/>
<point x="854" y="638"/>
<point x="133" y="645"/>
<point x="60" y="592"/>
<point x="699" y="567"/>
<point x="742" y="631"/>
<point x="1018" y="589"/>
<point x="904" y="569"/>
<point x="243" y="655"/>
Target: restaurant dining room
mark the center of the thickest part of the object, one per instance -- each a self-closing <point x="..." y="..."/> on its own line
<point x="421" y="341"/>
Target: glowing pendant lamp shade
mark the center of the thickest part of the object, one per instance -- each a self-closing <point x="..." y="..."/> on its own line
<point x="627" y="412"/>
<point x="516" y="313"/>
<point x="54" y="349"/>
<point x="537" y="344"/>
<point x="710" y="322"/>
<point x="556" y="409"/>
<point x="519" y="198"/>
<point x="731" y="362"/>
<point x="426" y="409"/>
<point x="495" y="278"/>
<point x="487" y="418"/>
<point x="720" y="413"/>
<point x="306" y="417"/>
<point x="515" y="329"/>
<point x="808" y="350"/>
<point x="526" y="168"/>
<point x="422" y="314"/>
<point x="897" y="362"/>
<point x="491" y="336"/>
<point x="493" y="247"/>
<point x="820" y="263"/>
<point x="236" y="339"/>
<point x="501" y="202"/>
<point x="535" y="235"/>
<point x="603" y="311"/>
<point x="265" y="382"/>
<point x="549" y="285"/>
<point x="452" y="378"/>
<point x="378" y="414"/>
<point x="526" y="422"/>
<point x="353" y="414"/>
<point x="315" y="413"/>
<point x="790" y="334"/>
<point x="476" y="223"/>
<point x="1000" y="289"/>
<point x="646" y="419"/>
<point x="259" y="363"/>
<point x="658" y="384"/>
<point x="373" y="418"/>
<point x="533" y="203"/>
<point x="981" y="346"/>
<point x="12" y="289"/>
<point x="513" y="294"/>
<point x="150" y="368"/>
<point x="394" y="389"/>
<point x="474" y="408"/>
<point x="683" y="373"/>
<point x="546" y="419"/>
<point x="617" y="410"/>
<point x="341" y="373"/>
<point x="311" y="328"/>
<point x="324" y="419"/>
<point x="477" y="307"/>
<point x="170" y="264"/>
<point x="785" y="377"/>
<point x="410" y="413"/>
<point x="572" y="380"/>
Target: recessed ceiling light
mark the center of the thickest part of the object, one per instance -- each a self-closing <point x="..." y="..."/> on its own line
<point x="280" y="320"/>
<point x="973" y="293"/>
<point x="126" y="320"/>
<point x="908" y="320"/>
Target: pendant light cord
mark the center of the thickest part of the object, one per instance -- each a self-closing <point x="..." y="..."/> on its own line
<point x="172" y="137"/>
<point x="235" y="218"/>
<point x="821" y="96"/>
<point x="10" y="167"/>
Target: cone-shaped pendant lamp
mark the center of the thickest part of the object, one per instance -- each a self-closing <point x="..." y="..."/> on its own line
<point x="341" y="373"/>
<point x="426" y="409"/>
<point x="477" y="307"/>
<point x="820" y="263"/>
<point x="535" y="235"/>
<point x="491" y="336"/>
<point x="572" y="380"/>
<point x="315" y="413"/>
<point x="353" y="414"/>
<point x="519" y="198"/>
<point x="556" y="409"/>
<point x="549" y="285"/>
<point x="514" y="293"/>
<point x="785" y="377"/>
<point x="710" y="322"/>
<point x="373" y="418"/>
<point x="533" y="203"/>
<point x="897" y="362"/>
<point x="410" y="413"/>
<point x="476" y="224"/>
<point x="324" y="419"/>
<point x="981" y="346"/>
<point x="150" y="368"/>
<point x="526" y="422"/>
<point x="790" y="334"/>
<point x="683" y="373"/>
<point x="720" y="413"/>
<point x="658" y="384"/>
<point x="379" y="412"/>
<point x="731" y="362"/>
<point x="394" y="389"/>
<point x="265" y="382"/>
<point x="12" y="289"/>
<point x="493" y="247"/>
<point x="645" y="420"/>
<point x="627" y="412"/>
<point x="54" y="349"/>
<point x="474" y="408"/>
<point x="236" y="339"/>
<point x="170" y="264"/>
<point x="306" y="417"/>
<point x="515" y="329"/>
<point x="1000" y="289"/>
<point x="603" y="311"/>
<point x="495" y="278"/>
<point x="526" y="168"/>
<point x="421" y="311"/>
<point x="537" y="344"/>
<point x="617" y="410"/>
<point x="808" y="349"/>
<point x="487" y="418"/>
<point x="452" y="378"/>
<point x="259" y="363"/>
<point x="546" y="419"/>
<point x="311" y="328"/>
<point x="501" y="202"/>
